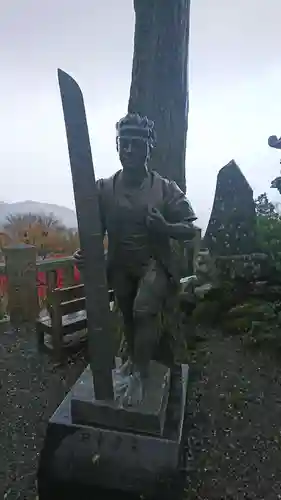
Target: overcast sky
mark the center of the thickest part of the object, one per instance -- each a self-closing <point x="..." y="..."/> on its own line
<point x="235" y="91"/>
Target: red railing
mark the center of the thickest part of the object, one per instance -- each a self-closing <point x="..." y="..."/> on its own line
<point x="3" y="284"/>
<point x="41" y="280"/>
<point x="42" y="276"/>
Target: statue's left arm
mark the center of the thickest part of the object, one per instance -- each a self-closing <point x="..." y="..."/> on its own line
<point x="178" y="213"/>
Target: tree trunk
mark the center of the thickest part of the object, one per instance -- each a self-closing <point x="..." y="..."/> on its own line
<point x="159" y="88"/>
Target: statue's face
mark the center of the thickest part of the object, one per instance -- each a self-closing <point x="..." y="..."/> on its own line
<point x="133" y="153"/>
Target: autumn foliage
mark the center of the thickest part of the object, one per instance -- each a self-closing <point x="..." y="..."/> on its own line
<point x="45" y="232"/>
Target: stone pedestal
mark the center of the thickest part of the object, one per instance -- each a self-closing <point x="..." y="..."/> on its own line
<point x="148" y="417"/>
<point x="136" y="453"/>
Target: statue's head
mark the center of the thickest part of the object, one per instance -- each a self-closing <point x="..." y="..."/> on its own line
<point x="135" y="139"/>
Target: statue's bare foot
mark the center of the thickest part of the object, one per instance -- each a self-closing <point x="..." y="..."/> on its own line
<point x="134" y="393"/>
<point x="122" y="379"/>
<point x="126" y="368"/>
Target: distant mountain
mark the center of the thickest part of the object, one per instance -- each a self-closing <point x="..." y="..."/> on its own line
<point x="63" y="214"/>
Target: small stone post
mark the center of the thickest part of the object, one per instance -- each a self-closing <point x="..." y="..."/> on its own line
<point x="21" y="271"/>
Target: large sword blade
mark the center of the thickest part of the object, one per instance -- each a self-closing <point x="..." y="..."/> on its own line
<point x="86" y="200"/>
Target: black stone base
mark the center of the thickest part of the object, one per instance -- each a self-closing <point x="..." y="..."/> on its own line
<point x="78" y="461"/>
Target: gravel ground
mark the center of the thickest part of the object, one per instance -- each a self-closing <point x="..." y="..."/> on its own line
<point x="234" y="418"/>
<point x="31" y="387"/>
<point x="235" y="423"/>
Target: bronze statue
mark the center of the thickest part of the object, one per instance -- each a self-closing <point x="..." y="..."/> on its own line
<point x="140" y="211"/>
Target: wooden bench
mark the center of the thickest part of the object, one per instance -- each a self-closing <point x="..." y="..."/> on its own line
<point x="66" y="326"/>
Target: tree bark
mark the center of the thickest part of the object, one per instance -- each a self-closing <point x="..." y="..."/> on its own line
<point x="159" y="87"/>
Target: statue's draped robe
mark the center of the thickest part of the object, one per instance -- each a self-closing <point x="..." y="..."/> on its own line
<point x="143" y="266"/>
<point x="123" y="215"/>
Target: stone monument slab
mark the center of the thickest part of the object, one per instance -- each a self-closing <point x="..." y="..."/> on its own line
<point x="232" y="226"/>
